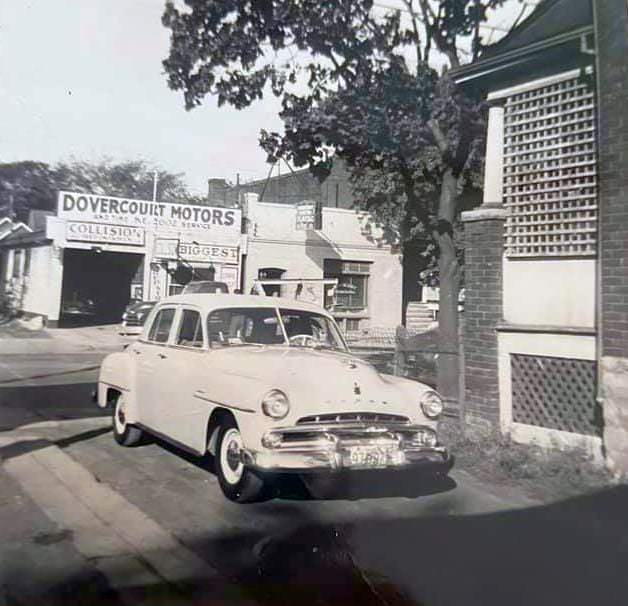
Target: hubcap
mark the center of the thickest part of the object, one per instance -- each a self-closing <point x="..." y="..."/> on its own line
<point x="230" y="456"/>
<point x="120" y="416"/>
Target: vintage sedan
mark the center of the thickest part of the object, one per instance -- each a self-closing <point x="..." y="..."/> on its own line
<point x="266" y="385"/>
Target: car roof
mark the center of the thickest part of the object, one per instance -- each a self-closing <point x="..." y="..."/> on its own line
<point x="210" y="301"/>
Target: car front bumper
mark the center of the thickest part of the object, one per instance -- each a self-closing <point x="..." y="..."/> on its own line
<point x="312" y="448"/>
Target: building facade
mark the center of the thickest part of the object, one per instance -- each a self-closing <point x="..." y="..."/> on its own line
<point x="546" y="310"/>
<point x="282" y="243"/>
<point x="97" y="253"/>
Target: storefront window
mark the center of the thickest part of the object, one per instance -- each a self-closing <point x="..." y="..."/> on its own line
<point x="352" y="290"/>
<point x="271" y="273"/>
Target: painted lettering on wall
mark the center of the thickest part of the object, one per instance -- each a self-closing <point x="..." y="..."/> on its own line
<point x="143" y="213"/>
<point x="102" y="232"/>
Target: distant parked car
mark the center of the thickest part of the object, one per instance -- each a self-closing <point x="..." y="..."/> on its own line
<point x="78" y="307"/>
<point x="266" y="385"/>
<point x="134" y="317"/>
<point x="205" y="286"/>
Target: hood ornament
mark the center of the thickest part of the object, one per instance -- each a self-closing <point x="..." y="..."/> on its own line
<point x="356" y="389"/>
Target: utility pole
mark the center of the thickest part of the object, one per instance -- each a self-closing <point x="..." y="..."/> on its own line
<point x="155" y="174"/>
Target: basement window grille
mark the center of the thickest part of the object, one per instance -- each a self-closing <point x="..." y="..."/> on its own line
<point x="555" y="393"/>
<point x="550" y="174"/>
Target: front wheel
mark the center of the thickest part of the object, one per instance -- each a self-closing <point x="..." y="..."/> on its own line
<point x="123" y="432"/>
<point x="237" y="482"/>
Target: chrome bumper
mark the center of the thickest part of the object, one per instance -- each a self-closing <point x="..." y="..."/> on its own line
<point x="347" y="446"/>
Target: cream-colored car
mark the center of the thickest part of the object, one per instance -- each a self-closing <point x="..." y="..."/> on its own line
<point x="266" y="385"/>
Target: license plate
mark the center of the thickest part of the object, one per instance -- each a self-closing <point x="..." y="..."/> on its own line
<point x="369" y="457"/>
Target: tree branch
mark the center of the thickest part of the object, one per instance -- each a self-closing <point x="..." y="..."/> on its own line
<point x="417" y="43"/>
<point x="439" y="136"/>
<point x="433" y="30"/>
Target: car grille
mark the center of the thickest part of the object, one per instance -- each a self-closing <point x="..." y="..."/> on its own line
<point x="133" y="321"/>
<point x="348" y="417"/>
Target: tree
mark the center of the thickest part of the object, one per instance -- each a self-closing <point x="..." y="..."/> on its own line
<point x="359" y="83"/>
<point x="131" y="179"/>
<point x="27" y="185"/>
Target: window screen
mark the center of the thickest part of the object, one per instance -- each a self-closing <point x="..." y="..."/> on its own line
<point x="352" y="289"/>
<point x="160" y="330"/>
<point x="550" y="180"/>
<point x="190" y="329"/>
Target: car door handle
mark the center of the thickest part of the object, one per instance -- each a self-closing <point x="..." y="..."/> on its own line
<point x="162" y="356"/>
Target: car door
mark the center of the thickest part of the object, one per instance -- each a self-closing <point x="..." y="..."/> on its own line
<point x="183" y="413"/>
<point x="152" y="366"/>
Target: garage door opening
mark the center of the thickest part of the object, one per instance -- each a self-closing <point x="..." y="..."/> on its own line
<point x="96" y="286"/>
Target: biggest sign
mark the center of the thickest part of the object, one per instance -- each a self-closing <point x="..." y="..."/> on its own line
<point x="161" y="216"/>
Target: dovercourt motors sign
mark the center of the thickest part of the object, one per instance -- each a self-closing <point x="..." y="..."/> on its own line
<point x="222" y="223"/>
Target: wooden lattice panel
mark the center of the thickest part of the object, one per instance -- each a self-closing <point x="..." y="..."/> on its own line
<point x="550" y="178"/>
<point x="555" y="393"/>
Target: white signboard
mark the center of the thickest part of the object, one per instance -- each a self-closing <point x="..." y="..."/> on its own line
<point x="209" y="253"/>
<point x="229" y="275"/>
<point x="196" y="252"/>
<point x="104" y="233"/>
<point x="222" y="223"/>
<point x="306" y="216"/>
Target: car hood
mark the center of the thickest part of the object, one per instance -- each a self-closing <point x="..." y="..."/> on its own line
<point x="323" y="380"/>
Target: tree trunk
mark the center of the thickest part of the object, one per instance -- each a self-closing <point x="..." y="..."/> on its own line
<point x="449" y="276"/>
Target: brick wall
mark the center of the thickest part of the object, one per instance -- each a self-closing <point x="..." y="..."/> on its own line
<point x="484" y="233"/>
<point x="611" y="27"/>
<point x="292" y="188"/>
<point x="612" y="33"/>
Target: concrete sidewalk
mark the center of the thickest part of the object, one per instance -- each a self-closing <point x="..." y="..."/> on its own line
<point x="62" y="340"/>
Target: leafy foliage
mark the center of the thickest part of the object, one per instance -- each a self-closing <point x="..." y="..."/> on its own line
<point x="34" y="185"/>
<point x="357" y="83"/>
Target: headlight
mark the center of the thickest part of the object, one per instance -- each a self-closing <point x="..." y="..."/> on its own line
<point x="275" y="404"/>
<point x="431" y="404"/>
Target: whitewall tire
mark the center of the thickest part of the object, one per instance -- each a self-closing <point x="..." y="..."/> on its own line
<point x="237" y="482"/>
<point x="123" y="432"/>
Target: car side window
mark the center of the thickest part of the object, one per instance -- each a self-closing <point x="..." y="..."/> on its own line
<point x="190" y="329"/>
<point x="160" y="329"/>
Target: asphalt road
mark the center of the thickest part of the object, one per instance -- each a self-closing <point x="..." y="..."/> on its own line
<point x="83" y="520"/>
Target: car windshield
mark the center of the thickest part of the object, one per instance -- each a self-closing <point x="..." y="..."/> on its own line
<point x="309" y="329"/>
<point x="262" y="326"/>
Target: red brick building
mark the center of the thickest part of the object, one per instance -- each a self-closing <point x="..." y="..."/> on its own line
<point x="546" y="329"/>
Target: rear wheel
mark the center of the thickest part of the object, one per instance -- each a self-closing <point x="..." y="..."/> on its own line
<point x="123" y="432"/>
<point x="237" y="482"/>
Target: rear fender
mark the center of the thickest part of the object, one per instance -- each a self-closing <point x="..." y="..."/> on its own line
<point x="117" y="376"/>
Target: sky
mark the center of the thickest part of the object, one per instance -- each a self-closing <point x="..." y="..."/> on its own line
<point x="83" y="79"/>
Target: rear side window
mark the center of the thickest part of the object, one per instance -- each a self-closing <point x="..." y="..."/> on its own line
<point x="190" y="329"/>
<point x="160" y="329"/>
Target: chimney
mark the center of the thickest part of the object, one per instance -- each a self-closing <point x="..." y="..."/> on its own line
<point x="217" y="191"/>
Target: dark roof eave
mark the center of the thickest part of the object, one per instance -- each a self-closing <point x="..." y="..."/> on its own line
<point x="31" y="239"/>
<point x="480" y="69"/>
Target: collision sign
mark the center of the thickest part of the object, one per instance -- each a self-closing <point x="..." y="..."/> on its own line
<point x="102" y="232"/>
